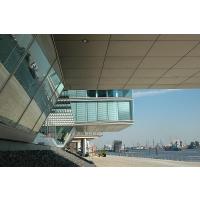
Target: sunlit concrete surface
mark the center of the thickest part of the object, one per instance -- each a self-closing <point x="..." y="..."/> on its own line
<point x="120" y="161"/>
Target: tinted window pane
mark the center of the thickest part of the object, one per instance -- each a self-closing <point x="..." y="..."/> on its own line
<point x="21" y="44"/>
<point x="125" y="93"/>
<point x="91" y="93"/>
<point x="32" y="70"/>
<point x="11" y="50"/>
<point x="102" y="93"/>
<point x="112" y="93"/>
<point x="7" y="44"/>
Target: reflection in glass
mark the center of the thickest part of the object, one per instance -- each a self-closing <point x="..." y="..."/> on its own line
<point x="112" y="111"/>
<point x="102" y="111"/>
<point x="112" y="93"/>
<point x="102" y="93"/>
<point x="92" y="111"/>
<point x="124" y="110"/>
<point x="91" y="93"/>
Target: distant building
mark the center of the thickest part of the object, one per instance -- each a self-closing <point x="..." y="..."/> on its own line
<point x="117" y="145"/>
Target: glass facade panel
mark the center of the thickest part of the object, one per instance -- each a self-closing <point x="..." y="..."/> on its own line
<point x="12" y="48"/>
<point x="21" y="44"/>
<point x="81" y="93"/>
<point x="92" y="111"/>
<point x="91" y="93"/>
<point x="39" y="123"/>
<point x="81" y="112"/>
<point x="102" y="93"/>
<point x="112" y="111"/>
<point x="72" y="93"/>
<point x="32" y="70"/>
<point x="73" y="106"/>
<point x="112" y="93"/>
<point x="7" y="44"/>
<point x="54" y="98"/>
<point x="124" y="110"/>
<point x="124" y="93"/>
<point x="102" y="111"/>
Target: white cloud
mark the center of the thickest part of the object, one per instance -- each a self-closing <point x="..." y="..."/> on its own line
<point x="152" y="92"/>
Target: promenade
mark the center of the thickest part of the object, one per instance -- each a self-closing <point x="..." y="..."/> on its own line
<point x="122" y="161"/>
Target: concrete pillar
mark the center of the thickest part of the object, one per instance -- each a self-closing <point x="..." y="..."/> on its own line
<point x="77" y="146"/>
<point x="84" y="146"/>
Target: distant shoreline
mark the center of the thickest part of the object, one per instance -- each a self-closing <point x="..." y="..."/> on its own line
<point x="187" y="155"/>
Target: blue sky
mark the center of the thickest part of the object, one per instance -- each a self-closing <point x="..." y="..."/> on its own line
<point x="160" y="115"/>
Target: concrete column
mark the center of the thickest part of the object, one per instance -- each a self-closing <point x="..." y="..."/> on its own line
<point x="77" y="146"/>
<point x="84" y="146"/>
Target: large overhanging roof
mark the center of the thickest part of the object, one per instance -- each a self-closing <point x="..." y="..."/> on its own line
<point x="129" y="61"/>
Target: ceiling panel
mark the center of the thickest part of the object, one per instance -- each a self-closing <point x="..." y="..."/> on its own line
<point x="110" y="86"/>
<point x="195" y="51"/>
<point x="116" y="73"/>
<point x="137" y="86"/>
<point x="142" y="80"/>
<point x="163" y="86"/>
<point x="128" y="48"/>
<point x="181" y="72"/>
<point x="158" y="62"/>
<point x="171" y="48"/>
<point x="113" y="81"/>
<point x="192" y="80"/>
<point x="189" y="63"/>
<point x="78" y="48"/>
<point x="81" y="73"/>
<point x="122" y="62"/>
<point x="149" y="73"/>
<point x="126" y="58"/>
<point x="166" y="80"/>
<point x="83" y="86"/>
<point x="80" y="37"/>
<point x="134" y="37"/>
<point x="82" y="62"/>
<point x="179" y="37"/>
<point x="185" y="86"/>
<point x="197" y="74"/>
<point x="83" y="80"/>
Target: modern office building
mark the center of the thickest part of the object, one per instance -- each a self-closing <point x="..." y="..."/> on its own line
<point x="34" y="69"/>
<point x="83" y="115"/>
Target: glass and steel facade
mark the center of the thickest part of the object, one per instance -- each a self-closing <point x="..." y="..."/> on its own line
<point x="89" y="112"/>
<point x="101" y="105"/>
<point x="30" y="82"/>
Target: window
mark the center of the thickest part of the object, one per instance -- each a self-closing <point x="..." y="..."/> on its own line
<point x="124" y="110"/>
<point x="81" y="93"/>
<point x="102" y="111"/>
<point x="81" y="112"/>
<point x="92" y="111"/>
<point x="112" y="111"/>
<point x="112" y="93"/>
<point x="91" y="93"/>
<point x="124" y="93"/>
<point x="102" y="93"/>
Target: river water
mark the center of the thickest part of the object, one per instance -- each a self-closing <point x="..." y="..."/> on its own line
<point x="192" y="155"/>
